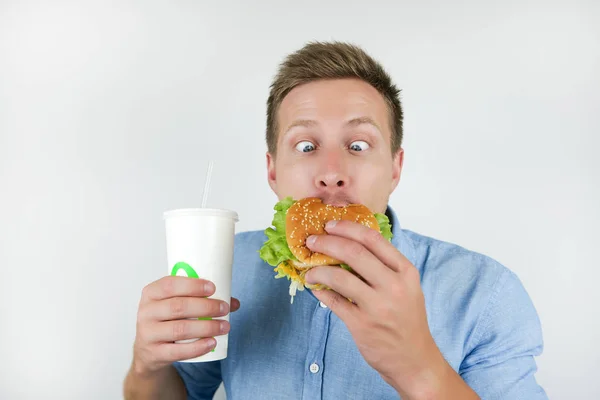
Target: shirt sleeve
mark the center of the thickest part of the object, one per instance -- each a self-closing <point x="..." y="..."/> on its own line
<point x="500" y="361"/>
<point x="201" y="379"/>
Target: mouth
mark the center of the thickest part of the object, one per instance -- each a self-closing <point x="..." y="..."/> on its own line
<point x="336" y="201"/>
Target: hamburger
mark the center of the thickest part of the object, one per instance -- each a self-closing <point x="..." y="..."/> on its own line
<point x="294" y="221"/>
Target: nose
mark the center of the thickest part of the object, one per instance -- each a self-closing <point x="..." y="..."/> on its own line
<point x="331" y="181"/>
<point x="333" y="176"/>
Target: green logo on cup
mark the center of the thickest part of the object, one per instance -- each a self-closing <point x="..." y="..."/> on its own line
<point x="191" y="273"/>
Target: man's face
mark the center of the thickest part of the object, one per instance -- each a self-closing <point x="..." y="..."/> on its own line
<point x="334" y="142"/>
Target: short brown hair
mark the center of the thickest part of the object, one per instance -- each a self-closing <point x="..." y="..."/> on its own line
<point x="332" y="60"/>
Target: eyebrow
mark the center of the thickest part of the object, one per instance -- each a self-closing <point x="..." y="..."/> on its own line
<point x="363" y="120"/>
<point x="309" y="123"/>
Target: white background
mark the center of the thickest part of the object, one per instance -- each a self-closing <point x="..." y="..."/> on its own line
<point x="109" y="113"/>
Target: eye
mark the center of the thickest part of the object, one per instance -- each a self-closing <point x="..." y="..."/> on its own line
<point x="359" y="145"/>
<point x="305" y="147"/>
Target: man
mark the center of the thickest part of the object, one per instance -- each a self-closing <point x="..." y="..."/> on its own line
<point x="430" y="320"/>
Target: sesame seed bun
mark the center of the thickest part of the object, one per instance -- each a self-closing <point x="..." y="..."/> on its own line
<point x="308" y="217"/>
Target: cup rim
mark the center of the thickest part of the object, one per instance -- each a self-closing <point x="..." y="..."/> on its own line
<point x="201" y="212"/>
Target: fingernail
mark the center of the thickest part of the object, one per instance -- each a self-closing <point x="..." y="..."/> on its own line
<point x="311" y="240"/>
<point x="331" y="224"/>
<point x="209" y="287"/>
<point x="211" y="343"/>
<point x="307" y="278"/>
<point x="224" y="308"/>
<point x="223" y="327"/>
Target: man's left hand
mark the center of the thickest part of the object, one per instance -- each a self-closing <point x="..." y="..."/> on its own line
<point x="387" y="317"/>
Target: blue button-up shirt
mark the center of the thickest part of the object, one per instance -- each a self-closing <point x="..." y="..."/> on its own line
<point x="479" y="314"/>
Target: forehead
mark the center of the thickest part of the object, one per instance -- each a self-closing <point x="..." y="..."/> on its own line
<point x="333" y="101"/>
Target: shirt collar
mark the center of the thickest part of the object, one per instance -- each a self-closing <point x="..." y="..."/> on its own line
<point x="399" y="238"/>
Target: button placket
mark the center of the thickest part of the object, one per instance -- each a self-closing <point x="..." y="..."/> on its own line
<point x="313" y="377"/>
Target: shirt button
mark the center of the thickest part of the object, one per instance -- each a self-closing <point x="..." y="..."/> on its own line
<point x="314" y="368"/>
<point x="322" y="304"/>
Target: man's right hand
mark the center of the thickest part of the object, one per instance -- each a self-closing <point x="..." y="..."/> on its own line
<point x="162" y="319"/>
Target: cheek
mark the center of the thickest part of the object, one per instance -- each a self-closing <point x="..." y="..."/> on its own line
<point x="374" y="172"/>
<point x="373" y="179"/>
<point x="295" y="176"/>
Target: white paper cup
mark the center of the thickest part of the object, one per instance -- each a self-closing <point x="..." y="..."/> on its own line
<point x="200" y="245"/>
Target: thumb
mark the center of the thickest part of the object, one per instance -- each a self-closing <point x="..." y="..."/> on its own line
<point x="234" y="305"/>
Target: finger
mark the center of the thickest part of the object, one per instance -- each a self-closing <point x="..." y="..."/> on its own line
<point x="172" y="352"/>
<point x="235" y="304"/>
<point x="342" y="281"/>
<point x="341" y="306"/>
<point x="354" y="254"/>
<point x="175" y="286"/>
<point x="172" y="331"/>
<point x="183" y="307"/>
<point x="372" y="240"/>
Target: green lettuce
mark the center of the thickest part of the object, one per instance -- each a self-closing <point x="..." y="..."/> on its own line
<point x="384" y="225"/>
<point x="275" y="250"/>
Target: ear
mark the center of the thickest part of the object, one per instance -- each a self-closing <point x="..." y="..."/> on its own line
<point x="271" y="175"/>
<point x="397" y="162"/>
